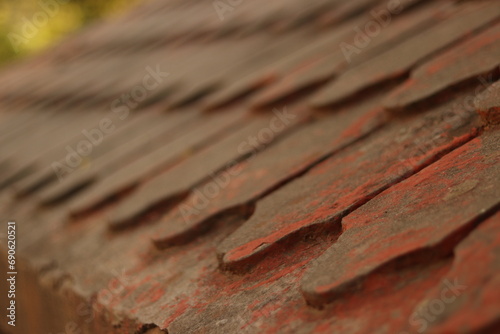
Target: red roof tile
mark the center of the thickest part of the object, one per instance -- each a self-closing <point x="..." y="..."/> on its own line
<point x="347" y="181"/>
<point x="263" y="173"/>
<point x="487" y="104"/>
<point x="401" y="224"/>
<point x="178" y="180"/>
<point x="210" y="209"/>
<point x="400" y="59"/>
<point x="476" y="57"/>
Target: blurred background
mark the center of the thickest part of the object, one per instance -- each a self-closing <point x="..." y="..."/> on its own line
<point x="27" y="18"/>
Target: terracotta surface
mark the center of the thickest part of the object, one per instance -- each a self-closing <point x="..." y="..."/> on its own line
<point x="216" y="167"/>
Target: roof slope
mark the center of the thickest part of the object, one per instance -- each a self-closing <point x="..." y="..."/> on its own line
<point x="251" y="167"/>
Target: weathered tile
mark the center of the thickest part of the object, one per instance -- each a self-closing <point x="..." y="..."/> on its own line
<point x="263" y="67"/>
<point x="135" y="127"/>
<point x="468" y="296"/>
<point x="473" y="58"/>
<point x="327" y="58"/>
<point x="399" y="60"/>
<point x="178" y="180"/>
<point x="235" y="189"/>
<point x="255" y="54"/>
<point x="488" y="104"/>
<point x="203" y="132"/>
<point x="403" y="221"/>
<point x="315" y="203"/>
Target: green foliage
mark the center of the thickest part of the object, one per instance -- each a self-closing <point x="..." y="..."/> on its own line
<point x="24" y="30"/>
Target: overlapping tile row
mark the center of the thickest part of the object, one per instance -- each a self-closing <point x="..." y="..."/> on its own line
<point x="170" y="21"/>
<point x="200" y="214"/>
<point x="142" y="156"/>
<point x="84" y="77"/>
<point x="476" y="261"/>
<point x="18" y="148"/>
<point x="477" y="57"/>
<point x="487" y="105"/>
<point x="141" y="131"/>
<point x="234" y="191"/>
<point x="181" y="178"/>
<point x="317" y="200"/>
<point x="324" y="60"/>
<point x="455" y="191"/>
<point x="397" y="61"/>
<point x="321" y="58"/>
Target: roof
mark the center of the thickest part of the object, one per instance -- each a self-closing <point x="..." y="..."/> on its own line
<point x="250" y="167"/>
